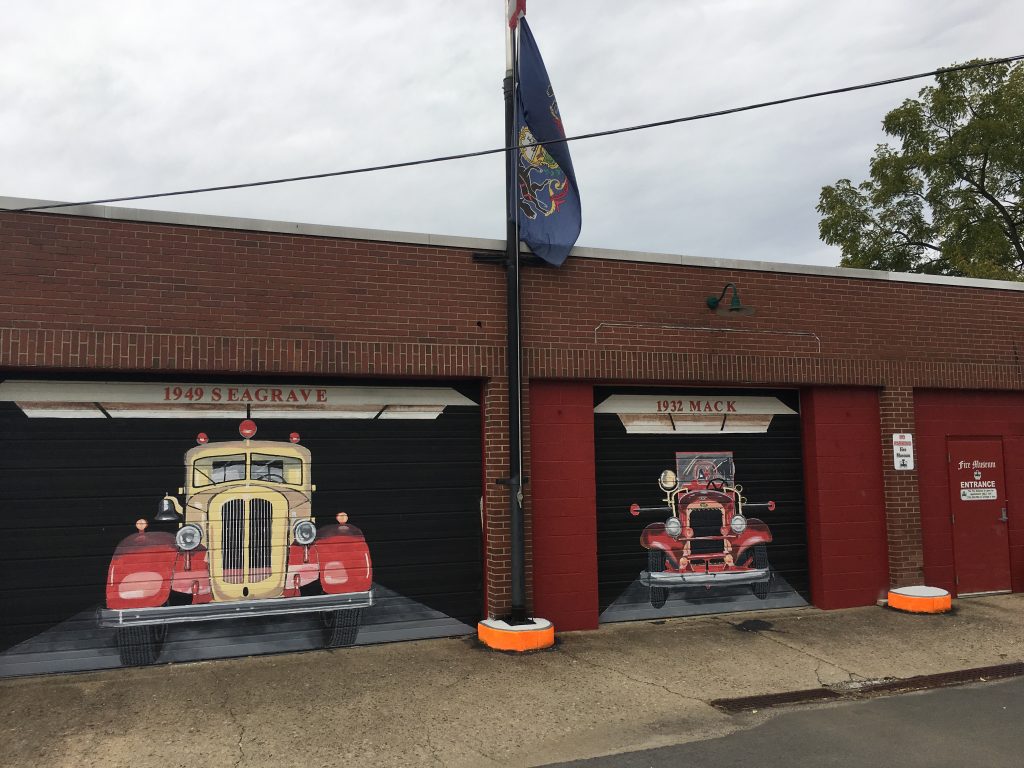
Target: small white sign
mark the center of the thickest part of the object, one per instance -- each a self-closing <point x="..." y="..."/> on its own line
<point x="978" y="494"/>
<point x="902" y="451"/>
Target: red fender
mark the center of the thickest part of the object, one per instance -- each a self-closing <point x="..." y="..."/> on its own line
<point x="654" y="537"/>
<point x="140" y="571"/>
<point x="192" y="574"/>
<point x="756" y="532"/>
<point x="344" y="559"/>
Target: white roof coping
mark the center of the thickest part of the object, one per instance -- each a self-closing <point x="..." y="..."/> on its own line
<point x="142" y="215"/>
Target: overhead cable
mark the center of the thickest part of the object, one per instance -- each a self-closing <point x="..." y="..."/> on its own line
<point x="499" y="150"/>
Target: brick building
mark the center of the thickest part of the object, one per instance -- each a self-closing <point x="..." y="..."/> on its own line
<point x="108" y="312"/>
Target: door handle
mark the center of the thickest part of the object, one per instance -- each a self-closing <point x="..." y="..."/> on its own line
<point x="1003" y="518"/>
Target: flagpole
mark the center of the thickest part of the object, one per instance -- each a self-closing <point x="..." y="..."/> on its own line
<point x="514" y="632"/>
<point x="514" y="349"/>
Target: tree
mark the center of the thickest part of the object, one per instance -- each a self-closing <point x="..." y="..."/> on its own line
<point x="950" y="201"/>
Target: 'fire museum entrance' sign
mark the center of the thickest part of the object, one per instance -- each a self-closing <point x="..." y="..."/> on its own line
<point x="978" y="480"/>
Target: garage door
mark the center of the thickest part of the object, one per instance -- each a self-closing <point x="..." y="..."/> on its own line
<point x="171" y="521"/>
<point x="699" y="501"/>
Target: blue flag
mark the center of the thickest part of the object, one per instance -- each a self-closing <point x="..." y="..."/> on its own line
<point x="548" y="200"/>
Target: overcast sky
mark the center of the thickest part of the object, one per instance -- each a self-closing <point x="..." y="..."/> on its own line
<point x="101" y="99"/>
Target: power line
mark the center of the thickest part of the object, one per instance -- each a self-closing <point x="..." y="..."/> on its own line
<point x="498" y="150"/>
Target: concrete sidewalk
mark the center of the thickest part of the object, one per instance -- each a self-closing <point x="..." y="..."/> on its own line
<point x="448" y="702"/>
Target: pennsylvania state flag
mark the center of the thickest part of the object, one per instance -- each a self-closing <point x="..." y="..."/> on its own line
<point x="548" y="200"/>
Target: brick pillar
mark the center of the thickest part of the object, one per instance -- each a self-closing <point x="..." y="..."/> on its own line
<point x="497" y="538"/>
<point x="496" y="519"/>
<point x="902" y="508"/>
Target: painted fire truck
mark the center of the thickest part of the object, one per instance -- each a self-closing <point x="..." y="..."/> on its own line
<point x="707" y="539"/>
<point x="246" y="544"/>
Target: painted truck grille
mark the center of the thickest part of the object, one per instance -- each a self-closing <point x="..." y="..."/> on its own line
<point x="706" y="522"/>
<point x="260" y="518"/>
<point x="260" y="544"/>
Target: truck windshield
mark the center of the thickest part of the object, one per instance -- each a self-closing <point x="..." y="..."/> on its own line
<point x="218" y="469"/>
<point x="276" y="469"/>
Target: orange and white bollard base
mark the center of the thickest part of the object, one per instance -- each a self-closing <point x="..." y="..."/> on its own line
<point x="920" y="600"/>
<point x="502" y="636"/>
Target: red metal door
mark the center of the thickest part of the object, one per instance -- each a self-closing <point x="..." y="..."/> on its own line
<point x="977" y="500"/>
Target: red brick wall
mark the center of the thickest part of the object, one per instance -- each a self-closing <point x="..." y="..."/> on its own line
<point x="846" y="532"/>
<point x="966" y="414"/>
<point x="67" y="273"/>
<point x="902" y="511"/>
<point x="658" y="309"/>
<point x="564" y="503"/>
<point x="218" y="298"/>
<point x="82" y="294"/>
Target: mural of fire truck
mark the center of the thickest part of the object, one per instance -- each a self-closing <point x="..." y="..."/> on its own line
<point x="707" y="539"/>
<point x="246" y="545"/>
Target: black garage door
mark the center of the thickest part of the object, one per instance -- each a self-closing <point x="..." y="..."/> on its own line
<point x="724" y="529"/>
<point x="273" y="567"/>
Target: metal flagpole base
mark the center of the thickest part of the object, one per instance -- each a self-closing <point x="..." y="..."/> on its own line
<point x="533" y="635"/>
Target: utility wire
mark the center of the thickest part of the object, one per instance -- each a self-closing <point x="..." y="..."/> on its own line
<point x="499" y="150"/>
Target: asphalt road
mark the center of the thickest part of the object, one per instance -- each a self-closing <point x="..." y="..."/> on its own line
<point x="979" y="725"/>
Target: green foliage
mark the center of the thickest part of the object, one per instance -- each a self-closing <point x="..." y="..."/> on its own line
<point x="950" y="201"/>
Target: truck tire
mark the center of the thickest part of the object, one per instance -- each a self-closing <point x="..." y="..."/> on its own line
<point x="342" y="627"/>
<point x="140" y="646"/>
<point x="656" y="564"/>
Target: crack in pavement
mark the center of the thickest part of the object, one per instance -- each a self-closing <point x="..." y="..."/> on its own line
<point x="226" y="706"/>
<point x="461" y="681"/>
<point x="490" y="760"/>
<point x="241" y="735"/>
<point x="433" y="750"/>
<point x="852" y="675"/>
<point x="631" y="678"/>
<point x="817" y="674"/>
<point x="436" y="754"/>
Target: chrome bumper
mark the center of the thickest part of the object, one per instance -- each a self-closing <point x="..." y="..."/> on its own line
<point x="239" y="609"/>
<point x="692" y="579"/>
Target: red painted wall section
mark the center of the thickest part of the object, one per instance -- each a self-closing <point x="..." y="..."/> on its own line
<point x="846" y="535"/>
<point x="563" y="498"/>
<point x="1013" y="454"/>
<point x="939" y="414"/>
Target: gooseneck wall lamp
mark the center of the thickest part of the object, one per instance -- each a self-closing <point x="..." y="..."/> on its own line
<point x="734" y="308"/>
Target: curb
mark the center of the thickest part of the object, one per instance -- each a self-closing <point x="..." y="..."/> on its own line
<point x="872" y="689"/>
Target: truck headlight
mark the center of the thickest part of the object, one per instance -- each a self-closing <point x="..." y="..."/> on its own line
<point x="668" y="480"/>
<point x="305" y="532"/>
<point x="738" y="523"/>
<point x="188" y="537"/>
<point x="673" y="527"/>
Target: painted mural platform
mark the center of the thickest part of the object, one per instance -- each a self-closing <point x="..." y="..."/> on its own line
<point x="633" y="604"/>
<point x="78" y="645"/>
